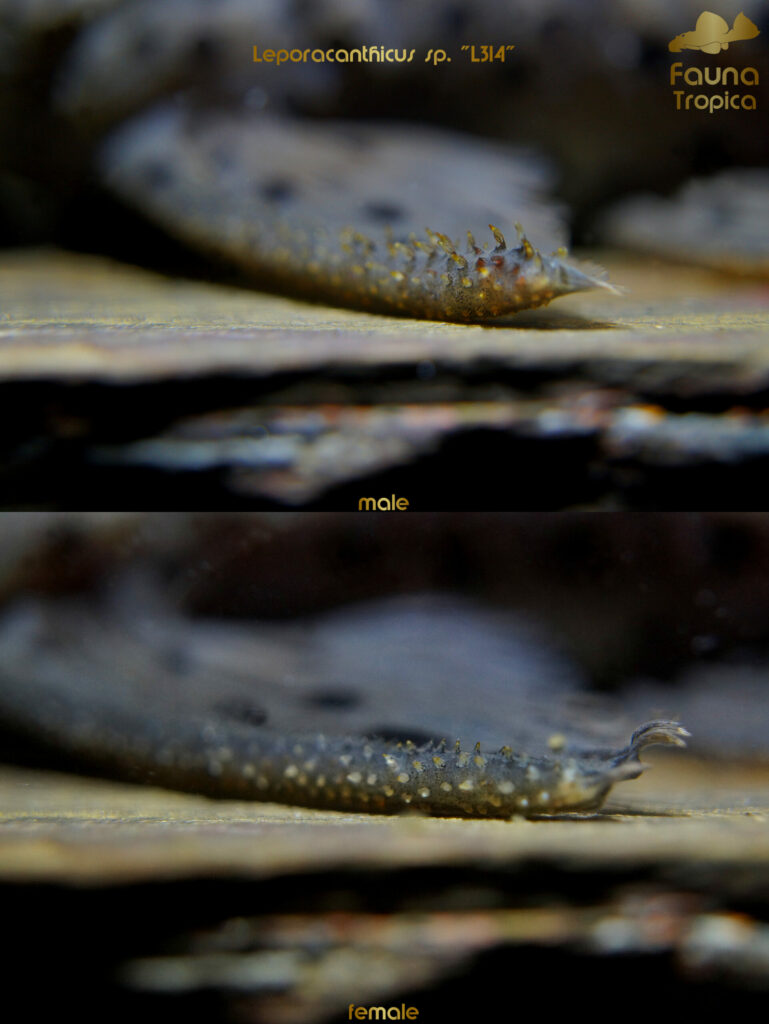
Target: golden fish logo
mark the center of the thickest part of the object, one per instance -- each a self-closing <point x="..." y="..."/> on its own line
<point x="712" y="34"/>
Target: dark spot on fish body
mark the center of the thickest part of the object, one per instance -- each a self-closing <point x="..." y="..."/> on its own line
<point x="176" y="660"/>
<point x="456" y="19"/>
<point x="334" y="699"/>
<point x="157" y="174"/>
<point x="146" y="44"/>
<point x="278" y="190"/>
<point x="204" y="49"/>
<point x="382" y="212"/>
<point x="222" y="158"/>
<point x="241" y="709"/>
<point x="301" y="9"/>
<point x="353" y="133"/>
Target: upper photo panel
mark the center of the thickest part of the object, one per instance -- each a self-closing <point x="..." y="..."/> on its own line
<point x="381" y="254"/>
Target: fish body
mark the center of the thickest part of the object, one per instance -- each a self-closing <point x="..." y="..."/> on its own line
<point x="220" y="757"/>
<point x="290" y="205"/>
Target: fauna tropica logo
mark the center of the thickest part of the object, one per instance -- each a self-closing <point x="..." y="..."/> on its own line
<point x="712" y="34"/>
<point x="719" y="87"/>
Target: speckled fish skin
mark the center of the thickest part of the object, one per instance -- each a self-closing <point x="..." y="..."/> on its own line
<point x="354" y="774"/>
<point x="288" y="203"/>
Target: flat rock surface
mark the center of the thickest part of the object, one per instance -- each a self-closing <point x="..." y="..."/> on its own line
<point x="122" y="381"/>
<point x="74" y="317"/>
<point x="90" y="832"/>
